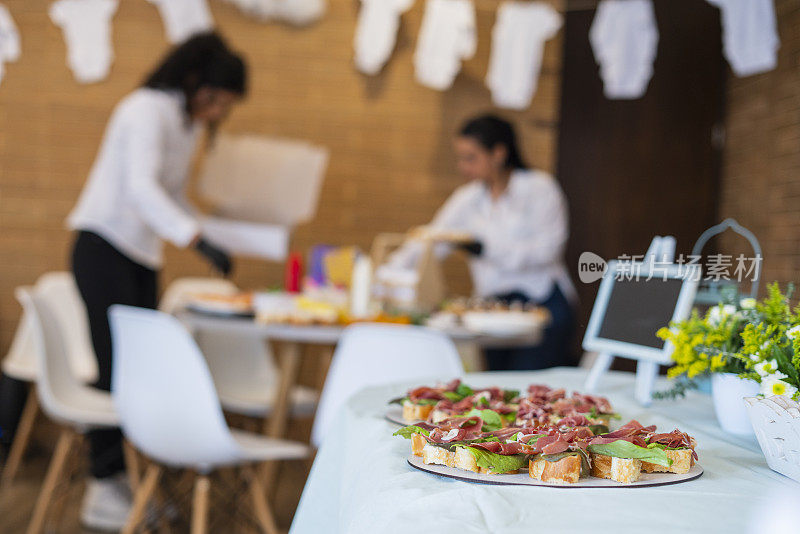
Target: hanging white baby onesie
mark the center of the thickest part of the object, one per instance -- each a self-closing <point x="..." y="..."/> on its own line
<point x="86" y="25"/>
<point x="9" y="39"/>
<point x="624" y="38"/>
<point x="518" y="39"/>
<point x="446" y="38"/>
<point x="296" y="12"/>
<point x="749" y="35"/>
<point x="184" y="18"/>
<point x="376" y="32"/>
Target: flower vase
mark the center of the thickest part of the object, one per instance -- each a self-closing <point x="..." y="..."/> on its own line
<point x="728" y="392"/>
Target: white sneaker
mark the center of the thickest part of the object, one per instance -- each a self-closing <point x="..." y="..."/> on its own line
<point x="106" y="503"/>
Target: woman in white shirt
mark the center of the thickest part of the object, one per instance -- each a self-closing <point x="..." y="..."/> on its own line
<point x="520" y="222"/>
<point x="134" y="200"/>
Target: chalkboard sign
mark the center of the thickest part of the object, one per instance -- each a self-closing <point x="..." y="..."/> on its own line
<point x="629" y="311"/>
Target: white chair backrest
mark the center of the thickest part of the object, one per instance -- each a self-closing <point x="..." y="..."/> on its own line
<point x="179" y="292"/>
<point x="254" y="367"/>
<point x="55" y="382"/>
<point x="65" y="301"/>
<point x="20" y="362"/>
<point x="375" y="354"/>
<point x="163" y="392"/>
<point x="61" y="293"/>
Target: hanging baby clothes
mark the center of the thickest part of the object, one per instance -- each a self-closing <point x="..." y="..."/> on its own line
<point x="184" y="18"/>
<point x="446" y="38"/>
<point x="518" y="39"/>
<point x="9" y="39"/>
<point x="296" y="12"/>
<point x="749" y="35"/>
<point x="624" y="38"/>
<point x="376" y="32"/>
<point x="86" y="25"/>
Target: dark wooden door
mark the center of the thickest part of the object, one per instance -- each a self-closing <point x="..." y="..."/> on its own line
<point x="633" y="169"/>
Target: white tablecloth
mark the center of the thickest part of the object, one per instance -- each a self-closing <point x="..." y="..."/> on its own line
<point x="361" y="483"/>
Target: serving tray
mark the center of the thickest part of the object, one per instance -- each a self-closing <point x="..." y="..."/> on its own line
<point x="646" y="480"/>
<point x="394" y="414"/>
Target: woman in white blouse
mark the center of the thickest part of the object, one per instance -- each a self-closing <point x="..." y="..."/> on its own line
<point x="520" y="222"/>
<point x="134" y="200"/>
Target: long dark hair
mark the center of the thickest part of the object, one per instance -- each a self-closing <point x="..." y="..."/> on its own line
<point x="203" y="60"/>
<point x="490" y="131"/>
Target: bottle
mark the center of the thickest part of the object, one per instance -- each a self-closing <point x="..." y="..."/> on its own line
<point x="360" y="287"/>
<point x="294" y="273"/>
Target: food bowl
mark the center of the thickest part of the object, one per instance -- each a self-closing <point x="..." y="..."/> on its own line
<point x="504" y="323"/>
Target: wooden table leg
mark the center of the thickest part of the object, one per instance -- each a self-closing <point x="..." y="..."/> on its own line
<point x="325" y="359"/>
<point x="275" y="426"/>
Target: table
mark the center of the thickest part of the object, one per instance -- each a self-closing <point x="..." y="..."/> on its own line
<point x="360" y="481"/>
<point x="291" y="339"/>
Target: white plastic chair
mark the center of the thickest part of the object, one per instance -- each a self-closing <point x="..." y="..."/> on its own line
<point x="61" y="292"/>
<point x="63" y="398"/>
<point x="21" y="363"/>
<point x="169" y="410"/>
<point x="375" y="354"/>
<point x="242" y="366"/>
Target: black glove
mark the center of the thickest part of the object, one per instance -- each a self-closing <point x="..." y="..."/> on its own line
<point x="218" y="257"/>
<point x="473" y="248"/>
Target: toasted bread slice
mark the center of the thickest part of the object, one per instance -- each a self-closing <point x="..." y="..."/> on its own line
<point x="624" y="470"/>
<point x="460" y="459"/>
<point x="565" y="471"/>
<point x="438" y="456"/>
<point x="465" y="460"/>
<point x="682" y="461"/>
<point x="418" y="442"/>
<point x="416" y="412"/>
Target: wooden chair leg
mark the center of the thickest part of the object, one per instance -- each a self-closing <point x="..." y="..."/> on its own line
<point x="142" y="497"/>
<point x="258" y="494"/>
<point x="63" y="448"/>
<point x="202" y="485"/>
<point x="132" y="465"/>
<point x="21" y="439"/>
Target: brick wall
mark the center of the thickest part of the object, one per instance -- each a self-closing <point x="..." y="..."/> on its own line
<point x="391" y="163"/>
<point x="761" y="165"/>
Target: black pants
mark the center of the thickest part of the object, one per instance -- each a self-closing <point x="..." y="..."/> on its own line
<point x="105" y="276"/>
<point x="13" y="394"/>
<point x="554" y="350"/>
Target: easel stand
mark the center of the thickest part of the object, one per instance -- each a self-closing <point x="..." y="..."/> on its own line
<point x="646" y="373"/>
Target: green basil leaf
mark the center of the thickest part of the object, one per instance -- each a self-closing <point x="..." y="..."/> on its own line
<point x="452" y="395"/>
<point x="497" y="462"/>
<point x="491" y="419"/>
<point x="398" y="400"/>
<point x="408" y="431"/>
<point x="598" y="429"/>
<point x="510" y="417"/>
<point x="464" y="390"/>
<point x="425" y="402"/>
<point x="626" y="449"/>
<point x="510" y="394"/>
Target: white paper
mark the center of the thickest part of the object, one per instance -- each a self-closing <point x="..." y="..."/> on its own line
<point x="266" y="241"/>
<point x="263" y="180"/>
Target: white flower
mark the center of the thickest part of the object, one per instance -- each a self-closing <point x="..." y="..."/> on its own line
<point x="793" y="332"/>
<point x="748" y="303"/>
<point x="755" y="357"/>
<point x="718" y="313"/>
<point x="767" y="367"/>
<point x="771" y="386"/>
